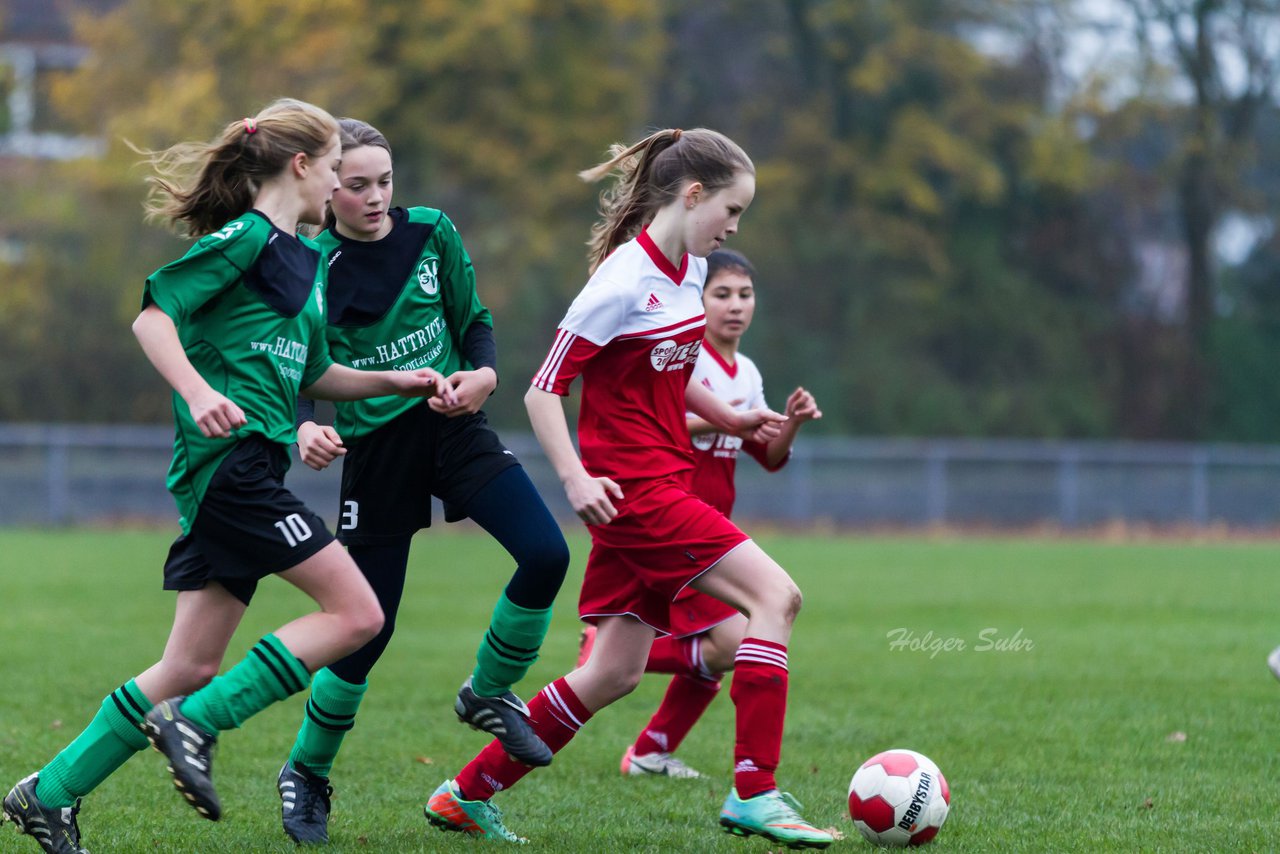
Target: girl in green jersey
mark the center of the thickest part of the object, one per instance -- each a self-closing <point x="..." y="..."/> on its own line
<point x="401" y="294"/>
<point x="236" y="327"/>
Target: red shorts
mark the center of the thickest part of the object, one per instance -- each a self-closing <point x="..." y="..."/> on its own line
<point x="663" y="537"/>
<point x="694" y="612"/>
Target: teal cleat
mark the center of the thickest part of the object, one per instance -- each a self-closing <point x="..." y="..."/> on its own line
<point x="775" y="816"/>
<point x="448" y="811"/>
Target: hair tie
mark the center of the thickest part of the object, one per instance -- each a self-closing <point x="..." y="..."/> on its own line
<point x="250" y="125"/>
<point x="675" y="135"/>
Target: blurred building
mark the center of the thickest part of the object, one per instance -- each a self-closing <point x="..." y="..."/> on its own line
<point x="37" y="44"/>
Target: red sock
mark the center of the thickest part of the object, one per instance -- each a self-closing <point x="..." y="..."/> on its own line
<point x="685" y="701"/>
<point x="759" y="692"/>
<point x="556" y="715"/>
<point x="668" y="655"/>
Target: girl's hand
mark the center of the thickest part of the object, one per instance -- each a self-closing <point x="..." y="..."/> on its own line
<point x="424" y="382"/>
<point x="471" y="388"/>
<point x="759" y="425"/>
<point x="214" y="414"/>
<point x="319" y="446"/>
<point x="589" y="498"/>
<point x="802" y="407"/>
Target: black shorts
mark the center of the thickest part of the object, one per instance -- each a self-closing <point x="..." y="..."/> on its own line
<point x="389" y="476"/>
<point x="248" y="525"/>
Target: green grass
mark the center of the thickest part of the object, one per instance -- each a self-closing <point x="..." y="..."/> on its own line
<point x="1063" y="746"/>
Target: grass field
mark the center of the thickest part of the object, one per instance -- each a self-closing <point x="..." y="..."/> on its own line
<point x="1130" y="710"/>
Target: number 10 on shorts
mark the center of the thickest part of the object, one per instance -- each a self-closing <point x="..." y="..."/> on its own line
<point x="294" y="528"/>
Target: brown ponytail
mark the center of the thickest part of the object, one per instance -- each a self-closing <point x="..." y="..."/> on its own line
<point x="650" y="174"/>
<point x="198" y="187"/>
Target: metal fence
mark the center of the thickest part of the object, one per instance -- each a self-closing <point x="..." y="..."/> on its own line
<point x="83" y="474"/>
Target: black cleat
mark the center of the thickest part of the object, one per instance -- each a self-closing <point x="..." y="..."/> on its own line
<point x="506" y="718"/>
<point x="54" y="828"/>
<point x="304" y="804"/>
<point x="189" y="750"/>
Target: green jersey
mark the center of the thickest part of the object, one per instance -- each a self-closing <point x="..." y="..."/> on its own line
<point x="248" y="304"/>
<point x="399" y="303"/>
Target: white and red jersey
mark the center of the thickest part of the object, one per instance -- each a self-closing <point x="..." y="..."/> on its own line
<point x="716" y="454"/>
<point x="633" y="334"/>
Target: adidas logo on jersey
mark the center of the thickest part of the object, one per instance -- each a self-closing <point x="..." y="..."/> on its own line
<point x="653" y="304"/>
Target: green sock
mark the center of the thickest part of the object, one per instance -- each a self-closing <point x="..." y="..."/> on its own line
<point x="509" y="648"/>
<point x="331" y="713"/>
<point x="106" y="743"/>
<point x="269" y="673"/>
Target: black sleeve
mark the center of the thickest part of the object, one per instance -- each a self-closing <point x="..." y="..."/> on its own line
<point x="306" y="411"/>
<point x="479" y="347"/>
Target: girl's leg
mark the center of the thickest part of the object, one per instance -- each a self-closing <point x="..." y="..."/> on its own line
<point x="336" y="694"/>
<point x="279" y="665"/>
<point x="337" y="690"/>
<point x="203" y="623"/>
<point x="752" y="582"/>
<point x="557" y="712"/>
<point x="705" y="658"/>
<point x="512" y="512"/>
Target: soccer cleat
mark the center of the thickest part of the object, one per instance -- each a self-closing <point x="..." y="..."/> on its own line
<point x="506" y="718"/>
<point x="189" y="750"/>
<point x="448" y="811"/>
<point x="655" y="764"/>
<point x="54" y="828"/>
<point x="586" y="641"/>
<point x="775" y="816"/>
<point x="1273" y="661"/>
<point x="304" y="804"/>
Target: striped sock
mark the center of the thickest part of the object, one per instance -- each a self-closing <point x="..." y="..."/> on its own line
<point x="510" y="647"/>
<point x="267" y="674"/>
<point x="330" y="715"/>
<point x="114" y="734"/>
<point x="556" y="716"/>
<point x="759" y="692"/>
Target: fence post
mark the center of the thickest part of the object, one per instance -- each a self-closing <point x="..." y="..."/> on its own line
<point x="58" y="488"/>
<point x="936" y="486"/>
<point x="1069" y="489"/>
<point x="1200" y="486"/>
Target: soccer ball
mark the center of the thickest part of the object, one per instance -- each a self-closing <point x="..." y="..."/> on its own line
<point x="899" y="798"/>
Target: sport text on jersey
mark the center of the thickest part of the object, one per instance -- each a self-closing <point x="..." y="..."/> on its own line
<point x="720" y="444"/>
<point x="420" y="339"/>
<point x="668" y="356"/>
<point x="283" y="348"/>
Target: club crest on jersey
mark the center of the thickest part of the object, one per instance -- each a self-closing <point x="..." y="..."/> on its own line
<point x="427" y="276"/>
<point x="670" y="356"/>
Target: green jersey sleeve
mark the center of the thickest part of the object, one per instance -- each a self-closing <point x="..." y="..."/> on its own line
<point x="215" y="263"/>
<point x="458" y="282"/>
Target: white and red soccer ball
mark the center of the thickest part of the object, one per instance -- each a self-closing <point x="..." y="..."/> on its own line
<point x="899" y="798"/>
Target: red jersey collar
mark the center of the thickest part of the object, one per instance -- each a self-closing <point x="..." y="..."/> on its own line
<point x="731" y="370"/>
<point x="660" y="260"/>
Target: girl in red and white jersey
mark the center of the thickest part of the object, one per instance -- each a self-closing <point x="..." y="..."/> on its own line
<point x="634" y="334"/>
<point x="705" y="632"/>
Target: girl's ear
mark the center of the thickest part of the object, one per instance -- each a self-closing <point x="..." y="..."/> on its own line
<point x="299" y="164"/>
<point x="692" y="194"/>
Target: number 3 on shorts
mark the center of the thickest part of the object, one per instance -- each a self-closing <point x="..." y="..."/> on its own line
<point x="294" y="528"/>
<point x="350" y="515"/>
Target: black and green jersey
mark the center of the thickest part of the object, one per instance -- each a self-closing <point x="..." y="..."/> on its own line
<point x="399" y="303"/>
<point x="248" y="304"/>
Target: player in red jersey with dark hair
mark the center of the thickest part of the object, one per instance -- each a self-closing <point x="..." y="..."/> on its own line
<point x="634" y="334"/>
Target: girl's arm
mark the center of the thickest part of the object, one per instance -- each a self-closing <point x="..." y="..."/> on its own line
<point x="759" y="425"/>
<point x="342" y="383"/>
<point x="214" y="414"/>
<point x="801" y="407"/>
<point x="589" y="496"/>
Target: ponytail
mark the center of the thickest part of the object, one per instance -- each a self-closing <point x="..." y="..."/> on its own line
<point x="650" y="174"/>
